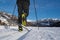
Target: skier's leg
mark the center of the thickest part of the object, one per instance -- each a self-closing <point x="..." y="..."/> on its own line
<point x="20" y="18"/>
<point x="26" y="11"/>
<point x="26" y="8"/>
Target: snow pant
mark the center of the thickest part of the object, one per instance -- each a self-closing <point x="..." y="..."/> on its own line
<point x="22" y="7"/>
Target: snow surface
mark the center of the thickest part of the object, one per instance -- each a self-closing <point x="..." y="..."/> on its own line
<point x="10" y="33"/>
<point x="41" y="33"/>
<point x="44" y="33"/>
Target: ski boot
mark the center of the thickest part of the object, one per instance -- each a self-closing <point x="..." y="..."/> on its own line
<point x="20" y="28"/>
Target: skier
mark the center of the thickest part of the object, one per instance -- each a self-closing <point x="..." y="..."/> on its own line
<point x="23" y="7"/>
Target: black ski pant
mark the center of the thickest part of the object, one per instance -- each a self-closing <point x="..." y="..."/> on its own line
<point x="22" y="7"/>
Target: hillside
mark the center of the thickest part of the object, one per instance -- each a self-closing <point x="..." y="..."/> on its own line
<point x="6" y="17"/>
<point x="9" y="19"/>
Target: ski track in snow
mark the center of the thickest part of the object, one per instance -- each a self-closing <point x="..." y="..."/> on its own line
<point x="44" y="33"/>
<point x="11" y="34"/>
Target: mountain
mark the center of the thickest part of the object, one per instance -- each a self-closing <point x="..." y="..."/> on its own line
<point x="5" y="17"/>
<point x="9" y="19"/>
<point x="50" y="22"/>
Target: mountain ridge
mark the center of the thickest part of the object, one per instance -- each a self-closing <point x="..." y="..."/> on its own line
<point x="6" y="19"/>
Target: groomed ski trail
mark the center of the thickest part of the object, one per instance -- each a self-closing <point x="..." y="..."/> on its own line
<point x="44" y="33"/>
<point x="11" y="34"/>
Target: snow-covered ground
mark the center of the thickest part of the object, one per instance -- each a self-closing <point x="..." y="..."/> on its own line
<point x="43" y="33"/>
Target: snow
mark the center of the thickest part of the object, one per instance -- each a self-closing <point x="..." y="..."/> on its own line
<point x="11" y="33"/>
<point x="7" y="17"/>
<point x="1" y="18"/>
<point x="43" y="33"/>
<point x="4" y="20"/>
<point x="28" y="20"/>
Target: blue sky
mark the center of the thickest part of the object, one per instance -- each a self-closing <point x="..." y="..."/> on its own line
<point x="45" y="8"/>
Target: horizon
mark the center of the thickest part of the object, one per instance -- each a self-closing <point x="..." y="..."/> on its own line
<point x="45" y="8"/>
